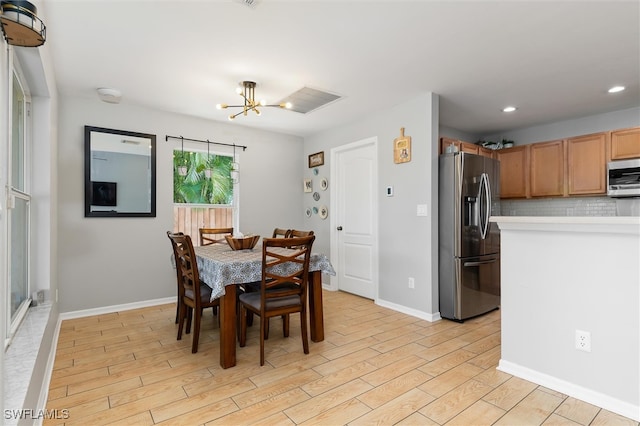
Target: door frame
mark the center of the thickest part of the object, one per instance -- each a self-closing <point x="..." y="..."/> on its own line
<point x="333" y="233"/>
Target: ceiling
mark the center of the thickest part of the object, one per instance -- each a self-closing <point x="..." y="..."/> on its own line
<point x="552" y="60"/>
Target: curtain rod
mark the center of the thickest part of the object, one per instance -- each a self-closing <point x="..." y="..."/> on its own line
<point x="167" y="137"/>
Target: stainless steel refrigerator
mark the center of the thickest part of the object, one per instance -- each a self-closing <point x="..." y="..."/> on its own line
<point x="469" y="254"/>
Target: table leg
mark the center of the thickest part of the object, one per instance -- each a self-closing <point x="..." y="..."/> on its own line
<point x="316" y="312"/>
<point x="228" y="327"/>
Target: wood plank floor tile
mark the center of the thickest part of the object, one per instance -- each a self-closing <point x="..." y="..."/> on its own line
<point x="480" y="413"/>
<point x="450" y="379"/>
<point x="395" y="410"/>
<point x="313" y="407"/>
<point x="535" y="408"/>
<point x="510" y="393"/>
<point x="393" y="388"/>
<point x="455" y="402"/>
<point x="256" y="413"/>
<point x="608" y="418"/>
<point x="286" y="384"/>
<point x="578" y="411"/>
<point x="338" y="378"/>
<point x="340" y="414"/>
<point x="557" y="420"/>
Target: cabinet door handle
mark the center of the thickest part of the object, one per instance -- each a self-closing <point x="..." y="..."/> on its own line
<point x="339" y="228"/>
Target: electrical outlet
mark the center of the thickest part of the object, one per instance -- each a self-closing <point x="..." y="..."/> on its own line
<point x="412" y="282"/>
<point x="583" y="341"/>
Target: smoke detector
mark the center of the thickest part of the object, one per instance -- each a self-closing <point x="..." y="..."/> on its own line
<point x="111" y="96"/>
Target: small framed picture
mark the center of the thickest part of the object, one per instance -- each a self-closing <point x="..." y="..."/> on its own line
<point x="316" y="159"/>
<point x="308" y="185"/>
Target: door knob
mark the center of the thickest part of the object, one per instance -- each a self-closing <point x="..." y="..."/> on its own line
<point x="339" y="228"/>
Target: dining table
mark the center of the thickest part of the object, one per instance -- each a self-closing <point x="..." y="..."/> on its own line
<point x="224" y="269"/>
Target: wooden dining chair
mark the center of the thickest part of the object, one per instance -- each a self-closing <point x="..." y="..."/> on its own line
<point x="213" y="235"/>
<point x="294" y="233"/>
<point x="194" y="294"/>
<point x="283" y="289"/>
<point x="175" y="263"/>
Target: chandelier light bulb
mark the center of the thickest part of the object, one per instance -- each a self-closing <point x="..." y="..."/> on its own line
<point x="239" y="90"/>
<point x="231" y="117"/>
<point x="263" y="102"/>
<point x="288" y="105"/>
<point x="221" y="106"/>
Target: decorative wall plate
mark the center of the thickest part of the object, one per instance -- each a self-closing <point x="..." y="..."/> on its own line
<point x="324" y="184"/>
<point x="307" y="212"/>
<point x="315" y="210"/>
<point x="324" y="212"/>
<point x="316" y="196"/>
<point x="315" y="171"/>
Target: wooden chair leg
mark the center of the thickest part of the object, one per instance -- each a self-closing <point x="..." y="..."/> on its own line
<point x="263" y="327"/>
<point x="303" y="329"/>
<point x="285" y="325"/>
<point x="182" y="311"/>
<point x="242" y="338"/>
<point x="196" y="332"/>
<point x="189" y="316"/>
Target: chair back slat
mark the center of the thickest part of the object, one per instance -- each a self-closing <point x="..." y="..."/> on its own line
<point x="187" y="265"/>
<point x="285" y="261"/>
<point x="213" y="235"/>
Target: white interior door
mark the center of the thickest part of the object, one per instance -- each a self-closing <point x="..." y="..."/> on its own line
<point x="354" y="224"/>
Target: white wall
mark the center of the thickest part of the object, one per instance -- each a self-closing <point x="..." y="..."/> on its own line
<point x="112" y="261"/>
<point x="560" y="275"/>
<point x="407" y="243"/>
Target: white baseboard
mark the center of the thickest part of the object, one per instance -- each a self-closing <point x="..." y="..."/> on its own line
<point x="116" y="308"/>
<point x="413" y="312"/>
<point x="587" y="395"/>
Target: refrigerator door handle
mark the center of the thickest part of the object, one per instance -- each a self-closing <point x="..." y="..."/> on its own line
<point x="484" y="262"/>
<point x="485" y="204"/>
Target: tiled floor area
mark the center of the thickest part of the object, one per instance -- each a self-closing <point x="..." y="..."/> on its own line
<point x="375" y="366"/>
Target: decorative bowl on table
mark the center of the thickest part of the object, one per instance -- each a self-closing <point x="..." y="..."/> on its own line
<point x="242" y="243"/>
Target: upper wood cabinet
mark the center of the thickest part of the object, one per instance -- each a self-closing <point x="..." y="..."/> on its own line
<point x="463" y="146"/>
<point x="546" y="162"/>
<point x="625" y="143"/>
<point x="514" y="171"/>
<point x="587" y="164"/>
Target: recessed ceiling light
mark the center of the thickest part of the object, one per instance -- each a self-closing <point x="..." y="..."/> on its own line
<point x="111" y="96"/>
<point x="616" y="89"/>
<point x="509" y="109"/>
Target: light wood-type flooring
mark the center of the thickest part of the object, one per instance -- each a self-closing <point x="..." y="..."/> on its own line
<point x="375" y="366"/>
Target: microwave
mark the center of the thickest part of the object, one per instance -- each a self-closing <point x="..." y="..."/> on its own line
<point x="623" y="178"/>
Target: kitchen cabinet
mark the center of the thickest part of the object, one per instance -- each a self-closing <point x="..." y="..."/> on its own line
<point x="463" y="146"/>
<point x="587" y="164"/>
<point x="514" y="171"/>
<point x="625" y="143"/>
<point x="546" y="166"/>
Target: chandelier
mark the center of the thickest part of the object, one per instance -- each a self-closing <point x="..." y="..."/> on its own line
<point x="248" y="93"/>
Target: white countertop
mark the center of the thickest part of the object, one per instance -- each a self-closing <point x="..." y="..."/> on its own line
<point x="599" y="224"/>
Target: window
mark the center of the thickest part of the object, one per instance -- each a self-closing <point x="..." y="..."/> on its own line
<point x="204" y="195"/>
<point x="205" y="179"/>
<point x="18" y="206"/>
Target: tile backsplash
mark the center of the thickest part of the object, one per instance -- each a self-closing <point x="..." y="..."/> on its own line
<point x="576" y="206"/>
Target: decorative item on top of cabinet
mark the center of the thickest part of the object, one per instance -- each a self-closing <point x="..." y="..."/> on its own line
<point x="402" y="148"/>
<point x="459" y="146"/>
<point x="625" y="143"/>
<point x="587" y="164"/>
<point x="514" y="171"/>
<point x="546" y="162"/>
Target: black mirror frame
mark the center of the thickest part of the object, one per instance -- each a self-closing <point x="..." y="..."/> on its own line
<point x="87" y="173"/>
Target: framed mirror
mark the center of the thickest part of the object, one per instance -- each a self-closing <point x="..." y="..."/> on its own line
<point x="119" y="173"/>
